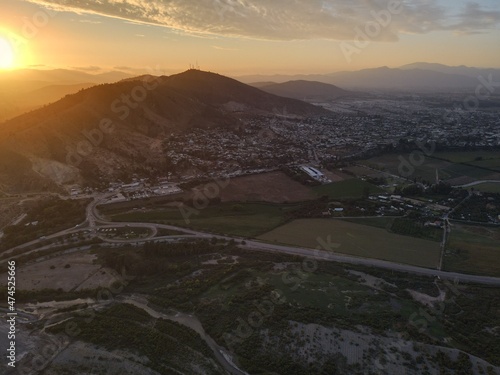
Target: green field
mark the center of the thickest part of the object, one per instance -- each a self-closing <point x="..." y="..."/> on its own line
<point x="358" y="240"/>
<point x="242" y="219"/>
<point x="473" y="250"/>
<point x="470" y="157"/>
<point x="347" y="189"/>
<point x="447" y="163"/>
<point x="377" y="222"/>
<point x="427" y="170"/>
<point x="459" y="170"/>
<point x="488" y="187"/>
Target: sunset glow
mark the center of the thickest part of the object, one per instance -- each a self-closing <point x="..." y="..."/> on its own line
<point x="264" y="37"/>
<point x="6" y="55"/>
<point x="243" y="187"/>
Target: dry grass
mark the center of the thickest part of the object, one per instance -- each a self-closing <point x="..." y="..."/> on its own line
<point x="358" y="240"/>
<point x="54" y="274"/>
<point x="274" y="187"/>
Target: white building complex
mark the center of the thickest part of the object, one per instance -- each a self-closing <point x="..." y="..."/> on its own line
<point x="314" y="173"/>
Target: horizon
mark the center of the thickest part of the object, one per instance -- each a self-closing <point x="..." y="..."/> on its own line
<point x="257" y="39"/>
<point x="243" y="187"/>
<point x="172" y="72"/>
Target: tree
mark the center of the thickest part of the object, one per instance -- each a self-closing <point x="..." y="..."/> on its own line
<point x="366" y="192"/>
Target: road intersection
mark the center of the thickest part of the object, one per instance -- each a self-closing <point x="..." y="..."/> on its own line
<point x="94" y="221"/>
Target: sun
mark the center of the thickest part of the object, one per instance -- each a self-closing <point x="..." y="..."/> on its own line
<point x="6" y="55"/>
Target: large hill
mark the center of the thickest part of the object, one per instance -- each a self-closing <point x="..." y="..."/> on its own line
<point x="305" y="90"/>
<point x="138" y="116"/>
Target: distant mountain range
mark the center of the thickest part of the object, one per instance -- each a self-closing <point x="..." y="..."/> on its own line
<point x="140" y="113"/>
<point x="305" y="90"/>
<point x="417" y="77"/>
<point x="457" y="70"/>
<point x="27" y="89"/>
<point x="59" y="76"/>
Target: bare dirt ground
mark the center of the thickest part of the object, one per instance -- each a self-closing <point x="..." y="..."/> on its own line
<point x="336" y="176"/>
<point x="387" y="354"/>
<point x="426" y="299"/>
<point x="371" y="281"/>
<point x="79" y="356"/>
<point x="54" y="274"/>
<point x="10" y="209"/>
<point x="275" y="187"/>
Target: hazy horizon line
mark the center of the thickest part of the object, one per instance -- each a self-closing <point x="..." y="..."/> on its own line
<point x="97" y="70"/>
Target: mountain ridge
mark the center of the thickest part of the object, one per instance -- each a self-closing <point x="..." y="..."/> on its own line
<point x="28" y="89"/>
<point x="417" y="77"/>
<point x="306" y="90"/>
<point x="127" y="122"/>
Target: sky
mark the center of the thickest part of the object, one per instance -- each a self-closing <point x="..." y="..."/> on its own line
<point x="247" y="36"/>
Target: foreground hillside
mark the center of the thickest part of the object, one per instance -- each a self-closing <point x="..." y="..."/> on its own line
<point x="209" y="306"/>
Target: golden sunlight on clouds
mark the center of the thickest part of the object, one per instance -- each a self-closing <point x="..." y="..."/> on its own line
<point x="245" y="37"/>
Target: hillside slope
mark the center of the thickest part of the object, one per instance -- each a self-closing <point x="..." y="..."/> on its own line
<point x="113" y="129"/>
<point x="307" y="90"/>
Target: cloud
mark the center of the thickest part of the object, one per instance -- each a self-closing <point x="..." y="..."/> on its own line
<point x="473" y="19"/>
<point x="288" y="19"/>
<point x="225" y="48"/>
<point x="90" y="21"/>
<point x="87" y="68"/>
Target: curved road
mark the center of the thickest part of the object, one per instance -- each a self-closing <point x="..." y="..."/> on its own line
<point x="93" y="218"/>
<point x="94" y="221"/>
<point x="324" y="255"/>
<point x="193" y="323"/>
<point x="478" y="183"/>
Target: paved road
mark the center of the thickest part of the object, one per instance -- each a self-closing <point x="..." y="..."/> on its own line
<point x="94" y="217"/>
<point x="478" y="183"/>
<point x="191" y="322"/>
<point x="447" y="229"/>
<point x="335" y="257"/>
